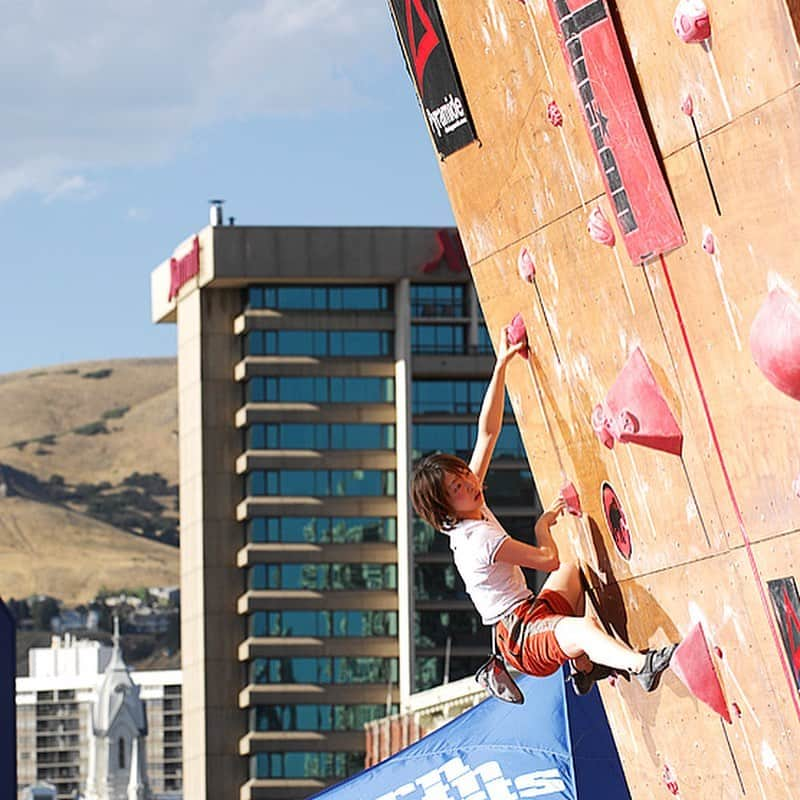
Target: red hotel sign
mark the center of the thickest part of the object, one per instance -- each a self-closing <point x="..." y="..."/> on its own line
<point x="184" y="268"/>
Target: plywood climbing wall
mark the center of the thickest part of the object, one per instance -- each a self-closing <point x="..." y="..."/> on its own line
<point x="703" y="531"/>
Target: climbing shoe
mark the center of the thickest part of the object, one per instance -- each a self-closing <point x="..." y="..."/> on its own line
<point x="656" y="661"/>
<point x="494" y="677"/>
<point x="582" y="682"/>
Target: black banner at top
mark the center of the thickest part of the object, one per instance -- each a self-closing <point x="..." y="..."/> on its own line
<point x="430" y="62"/>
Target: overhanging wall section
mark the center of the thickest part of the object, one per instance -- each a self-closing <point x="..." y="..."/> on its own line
<point x="710" y="528"/>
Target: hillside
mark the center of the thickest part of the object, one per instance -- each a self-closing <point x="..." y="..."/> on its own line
<point x="88" y="478"/>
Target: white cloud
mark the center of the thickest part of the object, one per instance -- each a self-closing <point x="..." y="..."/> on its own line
<point x="90" y="84"/>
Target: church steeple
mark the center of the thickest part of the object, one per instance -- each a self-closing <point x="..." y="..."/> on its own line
<point x="119" y="727"/>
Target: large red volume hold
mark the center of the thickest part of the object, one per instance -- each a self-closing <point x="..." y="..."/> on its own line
<point x="636" y="412"/>
<point x="775" y="342"/>
<point x="692" y="663"/>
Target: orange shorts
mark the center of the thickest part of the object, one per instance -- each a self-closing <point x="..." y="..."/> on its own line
<point x="526" y="638"/>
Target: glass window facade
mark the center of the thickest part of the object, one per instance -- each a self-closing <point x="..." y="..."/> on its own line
<point x="322" y="623"/>
<point x="322" y="530"/>
<point x="333" y="344"/>
<point x="305" y="765"/>
<point x="429" y="670"/>
<point x="511" y="487"/>
<point x="331" y="577"/>
<point x="438" y="582"/>
<point x="321" y="483"/>
<point x="439" y="339"/>
<point x="463" y="627"/>
<point x="320" y="298"/>
<point x="319" y="717"/>
<point x="319" y="389"/>
<point x="459" y="439"/>
<point x="449" y="397"/>
<point x="324" y="671"/>
<point x="305" y="436"/>
<point x="485" y="346"/>
<point x="438" y="300"/>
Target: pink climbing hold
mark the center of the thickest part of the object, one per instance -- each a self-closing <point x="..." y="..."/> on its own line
<point x="709" y="242"/>
<point x="554" y="115"/>
<point x="775" y="342"/>
<point x="517" y="333"/>
<point x="525" y="265"/>
<point x="691" y="21"/>
<point x="601" y="424"/>
<point x="693" y="665"/>
<point x="687" y="105"/>
<point x="796" y="486"/>
<point x="635" y="411"/>
<point x="569" y="495"/>
<point x="670" y="780"/>
<point x="600" y="229"/>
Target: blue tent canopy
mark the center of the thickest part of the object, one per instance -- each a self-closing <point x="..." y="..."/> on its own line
<point x="556" y="746"/>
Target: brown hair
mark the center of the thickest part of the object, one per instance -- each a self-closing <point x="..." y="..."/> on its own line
<point x="429" y="492"/>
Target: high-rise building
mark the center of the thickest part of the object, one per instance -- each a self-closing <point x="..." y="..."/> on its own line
<point x="71" y="698"/>
<point x="314" y="366"/>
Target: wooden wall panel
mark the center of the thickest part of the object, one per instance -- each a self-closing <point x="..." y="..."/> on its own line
<point x="525" y="172"/>
<point x="594" y="323"/>
<point x="529" y="184"/>
<point x="718" y="296"/>
<point x="753" y="756"/>
<point x="728" y="82"/>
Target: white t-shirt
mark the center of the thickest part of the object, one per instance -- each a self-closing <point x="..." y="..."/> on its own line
<point x="494" y="587"/>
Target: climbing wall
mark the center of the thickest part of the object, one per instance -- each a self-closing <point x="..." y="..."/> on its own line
<point x="633" y="195"/>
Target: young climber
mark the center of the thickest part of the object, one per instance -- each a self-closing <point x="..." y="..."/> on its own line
<point x="535" y="634"/>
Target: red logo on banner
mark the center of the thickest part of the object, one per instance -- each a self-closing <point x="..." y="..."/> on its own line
<point x="632" y="175"/>
<point x="451" y="251"/>
<point x="184" y="268"/>
<point x="420" y="51"/>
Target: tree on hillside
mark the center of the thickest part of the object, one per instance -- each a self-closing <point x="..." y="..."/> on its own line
<point x="43" y="609"/>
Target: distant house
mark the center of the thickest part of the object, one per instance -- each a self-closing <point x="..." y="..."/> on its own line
<point x="150" y="620"/>
<point x="170" y="595"/>
<point x="68" y="620"/>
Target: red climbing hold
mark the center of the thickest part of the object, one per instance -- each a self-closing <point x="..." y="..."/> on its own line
<point x="670" y="780"/>
<point x="775" y="342"/>
<point x="636" y="412"/>
<point x="554" y="115"/>
<point x="692" y="663"/>
<point x="517" y="333"/>
<point x="709" y="242"/>
<point x="691" y="21"/>
<point x="600" y="229"/>
<point x="569" y="494"/>
<point x="525" y="266"/>
<point x="687" y="105"/>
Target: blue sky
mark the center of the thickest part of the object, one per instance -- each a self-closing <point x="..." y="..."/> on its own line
<point x="120" y="124"/>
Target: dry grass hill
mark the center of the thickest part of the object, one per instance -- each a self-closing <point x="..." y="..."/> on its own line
<point x="88" y="478"/>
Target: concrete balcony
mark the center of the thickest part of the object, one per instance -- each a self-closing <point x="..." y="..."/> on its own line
<point x="303" y="741"/>
<point x="307" y="366"/>
<point x="315" y="459"/>
<point x="299" y="553"/>
<point x="295" y="646"/>
<point x="305" y="599"/>
<point x="293" y="693"/>
<point x="252" y="413"/>
<point x="316" y="507"/>
<point x="263" y="319"/>
<point x="283" y="788"/>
